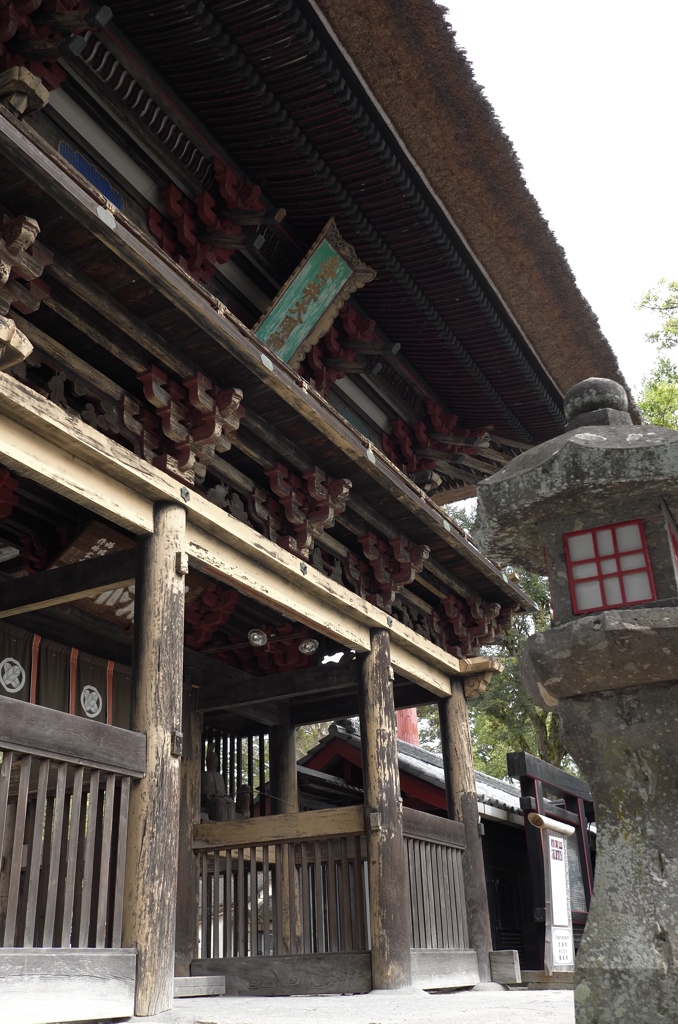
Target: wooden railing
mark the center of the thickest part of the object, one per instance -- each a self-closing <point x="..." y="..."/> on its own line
<point x="64" y="793"/>
<point x="433" y="849"/>
<point x="293" y="883"/>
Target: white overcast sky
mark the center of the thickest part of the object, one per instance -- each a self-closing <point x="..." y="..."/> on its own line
<point x="587" y="92"/>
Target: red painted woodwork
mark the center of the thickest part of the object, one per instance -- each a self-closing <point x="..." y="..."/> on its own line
<point x="408" y="725"/>
<point x="9" y="493"/>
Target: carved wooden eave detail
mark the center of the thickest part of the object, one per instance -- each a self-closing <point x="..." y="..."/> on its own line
<point x="197" y="418"/>
<point x="22" y="261"/>
<point x="14" y="346"/>
<point x="476" y="685"/>
<point x="22" y="92"/>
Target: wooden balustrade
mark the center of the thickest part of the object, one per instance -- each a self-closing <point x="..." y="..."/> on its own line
<point x="283" y="885"/>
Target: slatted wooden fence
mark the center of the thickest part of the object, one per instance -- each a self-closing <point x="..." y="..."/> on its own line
<point x="434" y="848"/>
<point x="64" y="794"/>
<point x="63" y="827"/>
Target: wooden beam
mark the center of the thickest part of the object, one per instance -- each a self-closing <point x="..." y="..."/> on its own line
<point x="282" y="686"/>
<point x="268" y="583"/>
<point x="33" y="729"/>
<point x="522" y="763"/>
<point x="68" y="584"/>
<point x="54" y="447"/>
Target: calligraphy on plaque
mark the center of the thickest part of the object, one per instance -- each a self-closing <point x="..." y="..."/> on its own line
<point x="307" y="304"/>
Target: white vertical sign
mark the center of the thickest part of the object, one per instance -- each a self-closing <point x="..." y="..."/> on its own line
<point x="559" y="940"/>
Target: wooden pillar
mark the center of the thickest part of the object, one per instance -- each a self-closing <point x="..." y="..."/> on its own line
<point x="284" y="793"/>
<point x="462" y="805"/>
<point x="186" y="941"/>
<point x="282" y="771"/>
<point x="151" y="870"/>
<point x="389" y="906"/>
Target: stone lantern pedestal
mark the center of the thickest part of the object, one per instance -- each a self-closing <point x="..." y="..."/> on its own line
<point x="599" y="504"/>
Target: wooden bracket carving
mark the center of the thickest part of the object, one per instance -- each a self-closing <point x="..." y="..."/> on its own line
<point x="22" y="92"/>
<point x="22" y="261"/>
<point x="197" y="418"/>
<point x="310" y="504"/>
<point x="477" y="684"/>
<point x="394" y="564"/>
<point x="14" y="346"/>
<point x="34" y="34"/>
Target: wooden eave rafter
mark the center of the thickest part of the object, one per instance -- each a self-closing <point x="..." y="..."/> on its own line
<point x="111" y="227"/>
<point x="320" y="117"/>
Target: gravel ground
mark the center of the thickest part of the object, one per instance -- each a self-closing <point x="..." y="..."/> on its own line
<point x="413" y="1006"/>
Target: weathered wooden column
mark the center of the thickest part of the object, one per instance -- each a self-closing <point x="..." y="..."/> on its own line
<point x="284" y="794"/>
<point x="462" y="805"/>
<point x="151" y="871"/>
<point x="389" y="906"/>
<point x="282" y="771"/>
<point x="186" y="941"/>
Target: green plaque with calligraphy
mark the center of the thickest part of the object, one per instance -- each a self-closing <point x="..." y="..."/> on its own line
<point x="307" y="304"/>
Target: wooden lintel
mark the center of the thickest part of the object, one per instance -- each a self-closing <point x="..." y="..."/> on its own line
<point x="280" y="828"/>
<point x="282" y="686"/>
<point x="67" y="584"/>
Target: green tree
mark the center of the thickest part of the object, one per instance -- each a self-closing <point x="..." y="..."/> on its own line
<point x="663" y="301"/>
<point x="658" y="399"/>
<point x="504" y="718"/>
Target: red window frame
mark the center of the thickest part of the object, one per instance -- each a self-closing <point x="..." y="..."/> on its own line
<point x="618" y="574"/>
<point x="673" y="538"/>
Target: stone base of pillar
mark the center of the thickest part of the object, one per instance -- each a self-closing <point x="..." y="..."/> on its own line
<point x="625" y="743"/>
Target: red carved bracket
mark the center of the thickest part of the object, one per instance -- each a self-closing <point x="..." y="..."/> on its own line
<point x="213" y="606"/>
<point x="309" y="503"/>
<point x="197" y="418"/>
<point x="33" y="33"/>
<point x="9" y="493"/>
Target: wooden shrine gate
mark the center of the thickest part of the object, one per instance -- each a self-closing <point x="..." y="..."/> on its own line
<point x="285" y="903"/>
<point x="64" y="795"/>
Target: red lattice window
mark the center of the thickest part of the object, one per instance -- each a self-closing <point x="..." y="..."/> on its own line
<point x="608" y="567"/>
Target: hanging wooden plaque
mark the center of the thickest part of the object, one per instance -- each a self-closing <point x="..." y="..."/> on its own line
<point x="307" y="304"/>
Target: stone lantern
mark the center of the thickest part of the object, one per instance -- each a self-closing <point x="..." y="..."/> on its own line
<point x="596" y="508"/>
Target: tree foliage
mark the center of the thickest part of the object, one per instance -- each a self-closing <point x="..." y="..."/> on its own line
<point x="504" y="718"/>
<point x="658" y="399"/>
<point x="663" y="301"/>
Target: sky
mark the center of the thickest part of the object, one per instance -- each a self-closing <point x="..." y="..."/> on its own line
<point x="587" y="92"/>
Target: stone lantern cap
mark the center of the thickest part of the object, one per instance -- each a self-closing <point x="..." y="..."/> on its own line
<point x="602" y="459"/>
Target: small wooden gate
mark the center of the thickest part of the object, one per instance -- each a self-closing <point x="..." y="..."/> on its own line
<point x="64" y="792"/>
<point x="284" y="903"/>
<point x="441" y="957"/>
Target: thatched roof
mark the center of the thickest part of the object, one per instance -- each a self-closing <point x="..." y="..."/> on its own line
<point x="407" y="55"/>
